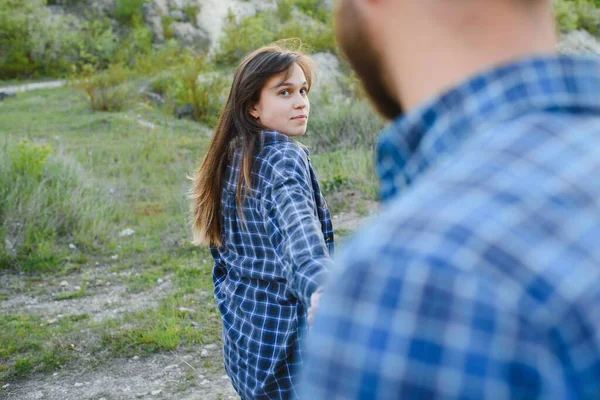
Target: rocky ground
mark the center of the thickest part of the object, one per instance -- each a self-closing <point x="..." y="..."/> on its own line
<point x="195" y="373"/>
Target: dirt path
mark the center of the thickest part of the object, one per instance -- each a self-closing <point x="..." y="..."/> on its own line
<point x="160" y="376"/>
<point x="190" y="373"/>
<point x="31" y="86"/>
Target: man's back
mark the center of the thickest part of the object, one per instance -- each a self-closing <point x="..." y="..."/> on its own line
<point x="481" y="279"/>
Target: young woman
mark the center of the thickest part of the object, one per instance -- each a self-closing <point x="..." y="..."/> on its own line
<point x="256" y="202"/>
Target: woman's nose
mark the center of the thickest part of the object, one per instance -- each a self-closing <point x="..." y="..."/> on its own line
<point x="300" y="102"/>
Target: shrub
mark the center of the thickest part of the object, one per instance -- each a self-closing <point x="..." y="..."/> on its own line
<point x="162" y="59"/>
<point x="107" y="90"/>
<point x="341" y="126"/>
<point x="128" y="11"/>
<point x="135" y="45"/>
<point x="167" y="26"/>
<point x="34" y="42"/>
<point x="284" y="9"/>
<point x="45" y="201"/>
<point x="96" y="45"/>
<point x="577" y="14"/>
<point x="194" y="83"/>
<point x="249" y="33"/>
<point x="315" y="9"/>
<point x="191" y="12"/>
<point x="241" y="37"/>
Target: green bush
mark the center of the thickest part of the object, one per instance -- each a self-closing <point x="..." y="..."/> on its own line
<point x="249" y="33"/>
<point x="315" y="9"/>
<point x="191" y="12"/>
<point x="128" y="11"/>
<point x="194" y="83"/>
<point x="34" y="42"/>
<point x="96" y="45"/>
<point x="106" y="90"/>
<point x="136" y="45"/>
<point x="167" y="26"/>
<point x="338" y="126"/>
<point x="577" y="14"/>
<point x="284" y="9"/>
<point x="161" y="58"/>
<point x="46" y="202"/>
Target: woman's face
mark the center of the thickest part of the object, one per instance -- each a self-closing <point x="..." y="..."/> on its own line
<point x="283" y="104"/>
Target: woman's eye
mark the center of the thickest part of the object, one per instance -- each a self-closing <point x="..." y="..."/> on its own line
<point x="284" y="92"/>
<point x="304" y="91"/>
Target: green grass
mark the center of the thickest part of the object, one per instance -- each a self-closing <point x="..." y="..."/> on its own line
<point x="72" y="294"/>
<point x="30" y="344"/>
<point x="186" y="317"/>
<point x="144" y="172"/>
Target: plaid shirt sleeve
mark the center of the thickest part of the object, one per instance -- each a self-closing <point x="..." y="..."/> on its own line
<point x="291" y="213"/>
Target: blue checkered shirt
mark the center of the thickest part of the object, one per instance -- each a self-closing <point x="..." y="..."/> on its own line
<point x="275" y="254"/>
<point x="481" y="276"/>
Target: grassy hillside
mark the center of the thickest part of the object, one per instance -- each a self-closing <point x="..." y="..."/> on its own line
<point x="81" y="164"/>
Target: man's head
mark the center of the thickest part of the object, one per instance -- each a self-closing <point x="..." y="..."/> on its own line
<point x="407" y="50"/>
<point x="358" y="46"/>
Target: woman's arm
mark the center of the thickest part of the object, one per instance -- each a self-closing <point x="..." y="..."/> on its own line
<point x="291" y="209"/>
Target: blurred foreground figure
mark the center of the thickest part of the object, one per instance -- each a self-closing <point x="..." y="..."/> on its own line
<point x="481" y="276"/>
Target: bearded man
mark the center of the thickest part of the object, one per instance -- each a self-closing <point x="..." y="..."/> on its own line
<point x="480" y="278"/>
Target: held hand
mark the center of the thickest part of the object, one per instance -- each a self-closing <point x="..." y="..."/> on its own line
<point x="314" y="306"/>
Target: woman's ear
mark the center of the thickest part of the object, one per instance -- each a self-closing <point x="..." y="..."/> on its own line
<point x="253" y="111"/>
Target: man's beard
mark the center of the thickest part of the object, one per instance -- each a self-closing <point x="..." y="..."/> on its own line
<point x="353" y="39"/>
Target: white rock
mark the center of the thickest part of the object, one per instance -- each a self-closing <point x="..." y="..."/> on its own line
<point x="579" y="42"/>
<point x="156" y="392"/>
<point x="5" y="386"/>
<point x="64" y="284"/>
<point x="190" y="35"/>
<point x="171" y="366"/>
<point x="160" y="281"/>
<point x="204" y="353"/>
<point x="38" y="395"/>
<point x="224" y="378"/>
<point x="184" y="309"/>
<point x="77" y="288"/>
<point x="211" y="346"/>
<point x="126" y="232"/>
<point x="72" y="246"/>
<point x="135" y="358"/>
<point x="205" y="382"/>
<point x="78" y="384"/>
<point x="115" y="257"/>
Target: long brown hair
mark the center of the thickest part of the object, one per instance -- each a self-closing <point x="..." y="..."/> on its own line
<point x="236" y="126"/>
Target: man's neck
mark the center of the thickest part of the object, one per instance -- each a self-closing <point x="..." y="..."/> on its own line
<point x="444" y="56"/>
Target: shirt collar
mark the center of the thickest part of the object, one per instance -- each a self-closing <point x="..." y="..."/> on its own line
<point x="272" y="136"/>
<point x="416" y="140"/>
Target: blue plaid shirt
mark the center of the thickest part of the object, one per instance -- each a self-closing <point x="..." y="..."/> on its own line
<point x="271" y="261"/>
<point x="481" y="276"/>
